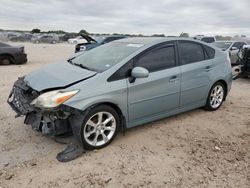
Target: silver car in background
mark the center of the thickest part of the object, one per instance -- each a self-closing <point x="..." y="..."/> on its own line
<point x="52" y="39"/>
<point x="119" y="85"/>
<point x="231" y="47"/>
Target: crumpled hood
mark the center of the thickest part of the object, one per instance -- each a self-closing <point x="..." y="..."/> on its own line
<point x="57" y="75"/>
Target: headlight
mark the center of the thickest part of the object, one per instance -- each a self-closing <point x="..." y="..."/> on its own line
<point x="53" y="98"/>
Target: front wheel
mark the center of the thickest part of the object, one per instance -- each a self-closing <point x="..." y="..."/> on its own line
<point x="216" y="97"/>
<point x="100" y="127"/>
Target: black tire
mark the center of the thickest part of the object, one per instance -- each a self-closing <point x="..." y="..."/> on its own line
<point x="53" y="42"/>
<point x="91" y="114"/>
<point x="211" y="107"/>
<point x="6" y="60"/>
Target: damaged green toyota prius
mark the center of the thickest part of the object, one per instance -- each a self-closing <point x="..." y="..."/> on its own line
<point x="120" y="85"/>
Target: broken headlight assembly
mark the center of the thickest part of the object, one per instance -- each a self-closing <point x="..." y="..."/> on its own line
<point x="53" y="99"/>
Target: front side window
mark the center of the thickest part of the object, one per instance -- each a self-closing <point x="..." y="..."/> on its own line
<point x="157" y="59"/>
<point x="190" y="52"/>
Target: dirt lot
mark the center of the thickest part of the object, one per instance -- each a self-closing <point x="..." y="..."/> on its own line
<point x="194" y="149"/>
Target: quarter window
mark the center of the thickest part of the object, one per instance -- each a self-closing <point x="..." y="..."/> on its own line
<point x="157" y="59"/>
<point x="210" y="52"/>
<point x="190" y="52"/>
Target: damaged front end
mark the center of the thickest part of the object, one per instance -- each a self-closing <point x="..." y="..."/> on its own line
<point x="53" y="122"/>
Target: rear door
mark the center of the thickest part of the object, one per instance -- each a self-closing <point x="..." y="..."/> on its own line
<point x="160" y="92"/>
<point x="196" y="70"/>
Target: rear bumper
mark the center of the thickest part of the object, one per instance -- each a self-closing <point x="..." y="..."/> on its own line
<point x="20" y="58"/>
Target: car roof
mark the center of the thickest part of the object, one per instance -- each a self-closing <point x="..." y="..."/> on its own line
<point x="152" y="40"/>
<point x="232" y="41"/>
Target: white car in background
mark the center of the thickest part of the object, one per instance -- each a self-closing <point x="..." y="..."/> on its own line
<point x="231" y="47"/>
<point x="77" y="40"/>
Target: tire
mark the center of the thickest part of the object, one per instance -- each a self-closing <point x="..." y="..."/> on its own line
<point x="97" y="134"/>
<point x="5" y="60"/>
<point x="53" y="42"/>
<point x="215" y="97"/>
<point x="37" y="41"/>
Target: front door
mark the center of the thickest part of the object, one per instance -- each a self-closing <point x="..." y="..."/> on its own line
<point x="159" y="93"/>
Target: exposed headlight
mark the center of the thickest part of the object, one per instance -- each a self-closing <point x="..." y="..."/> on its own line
<point x="53" y="99"/>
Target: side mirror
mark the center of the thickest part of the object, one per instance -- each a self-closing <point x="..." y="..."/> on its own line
<point x="138" y="72"/>
<point x="234" y="48"/>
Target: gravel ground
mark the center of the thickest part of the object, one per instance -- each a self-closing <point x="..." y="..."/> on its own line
<point x="193" y="149"/>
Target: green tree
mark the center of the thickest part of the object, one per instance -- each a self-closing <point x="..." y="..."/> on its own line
<point x="158" y="35"/>
<point x="36" y="30"/>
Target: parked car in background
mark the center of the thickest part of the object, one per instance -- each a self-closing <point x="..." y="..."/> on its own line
<point x="244" y="61"/>
<point x="53" y="39"/>
<point x="77" y="40"/>
<point x="120" y="85"/>
<point x="3" y="36"/>
<point x="95" y="41"/>
<point x="12" y="54"/>
<point x="13" y="34"/>
<point x="67" y="36"/>
<point x="206" y="39"/>
<point x="232" y="47"/>
<point x="243" y="39"/>
<point x="22" y="38"/>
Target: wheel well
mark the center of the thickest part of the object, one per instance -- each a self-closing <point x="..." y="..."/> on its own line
<point x="119" y="112"/>
<point x="8" y="55"/>
<point x="224" y="84"/>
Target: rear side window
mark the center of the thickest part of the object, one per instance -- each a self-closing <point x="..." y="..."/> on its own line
<point x="190" y="52"/>
<point x="210" y="52"/>
<point x="157" y="59"/>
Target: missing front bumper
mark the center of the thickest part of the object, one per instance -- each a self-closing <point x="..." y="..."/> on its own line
<point x="55" y="122"/>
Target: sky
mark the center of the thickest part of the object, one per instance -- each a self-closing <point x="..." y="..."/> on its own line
<point x="170" y="17"/>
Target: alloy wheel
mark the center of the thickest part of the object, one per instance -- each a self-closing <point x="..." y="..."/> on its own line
<point x="99" y="128"/>
<point x="216" y="97"/>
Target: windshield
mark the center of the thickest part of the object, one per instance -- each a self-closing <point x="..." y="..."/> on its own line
<point x="222" y="45"/>
<point x="105" y="56"/>
<point x="99" y="39"/>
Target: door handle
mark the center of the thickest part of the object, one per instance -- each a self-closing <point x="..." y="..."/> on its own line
<point x="174" y="79"/>
<point x="208" y="68"/>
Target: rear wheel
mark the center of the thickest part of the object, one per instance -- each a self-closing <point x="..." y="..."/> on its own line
<point x="53" y="42"/>
<point x="5" y="60"/>
<point x="100" y="127"/>
<point x="216" y="97"/>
